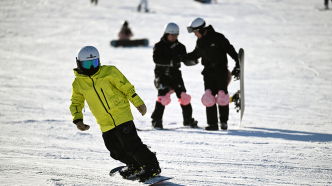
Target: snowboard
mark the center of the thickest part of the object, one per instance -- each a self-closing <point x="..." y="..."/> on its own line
<point x="152" y="181"/>
<point x="241" y="96"/>
<point x="129" y="43"/>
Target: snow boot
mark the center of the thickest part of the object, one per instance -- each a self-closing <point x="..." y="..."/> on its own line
<point x="212" y="127"/>
<point x="223" y="126"/>
<point x="191" y="122"/>
<point x="148" y="172"/>
<point x="130" y="170"/>
<point x="157" y="124"/>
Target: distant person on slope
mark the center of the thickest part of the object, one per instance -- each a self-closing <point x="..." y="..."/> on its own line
<point x="326" y="3"/>
<point x="145" y="2"/>
<point x="167" y="55"/>
<point x="94" y="1"/>
<point x="125" y="32"/>
<point x="213" y="48"/>
<point x="108" y="92"/>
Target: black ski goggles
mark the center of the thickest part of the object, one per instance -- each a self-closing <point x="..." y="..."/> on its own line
<point x="89" y="63"/>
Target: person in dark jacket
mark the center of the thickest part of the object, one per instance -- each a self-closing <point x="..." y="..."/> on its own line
<point x="213" y="48"/>
<point x="167" y="55"/>
<point x="125" y="32"/>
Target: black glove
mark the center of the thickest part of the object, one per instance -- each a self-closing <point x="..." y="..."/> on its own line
<point x="236" y="72"/>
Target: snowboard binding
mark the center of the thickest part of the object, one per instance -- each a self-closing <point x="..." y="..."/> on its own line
<point x="237" y="101"/>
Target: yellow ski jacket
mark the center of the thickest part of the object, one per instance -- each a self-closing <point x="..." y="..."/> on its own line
<point x="107" y="93"/>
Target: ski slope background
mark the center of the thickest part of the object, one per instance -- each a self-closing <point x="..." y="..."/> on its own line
<point x="286" y="133"/>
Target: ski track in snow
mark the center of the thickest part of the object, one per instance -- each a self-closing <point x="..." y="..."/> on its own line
<point x="285" y="138"/>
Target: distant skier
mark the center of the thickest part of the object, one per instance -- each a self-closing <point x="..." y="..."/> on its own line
<point x="94" y="1"/>
<point x="108" y="92"/>
<point x="145" y="2"/>
<point x="125" y="32"/>
<point x="167" y="55"/>
<point x="326" y="3"/>
<point x="213" y="48"/>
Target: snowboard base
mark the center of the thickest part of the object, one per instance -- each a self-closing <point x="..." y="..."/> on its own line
<point x="129" y="43"/>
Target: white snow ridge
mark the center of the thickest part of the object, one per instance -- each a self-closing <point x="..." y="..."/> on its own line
<point x="286" y="133"/>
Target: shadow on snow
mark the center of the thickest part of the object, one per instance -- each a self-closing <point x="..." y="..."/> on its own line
<point x="264" y="133"/>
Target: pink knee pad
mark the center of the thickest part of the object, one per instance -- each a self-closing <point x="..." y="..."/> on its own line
<point x="222" y="98"/>
<point x="165" y="100"/>
<point x="185" y="99"/>
<point x="208" y="99"/>
<point x="229" y="77"/>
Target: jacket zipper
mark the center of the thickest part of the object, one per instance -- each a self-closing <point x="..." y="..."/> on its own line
<point x="93" y="84"/>
<point x="105" y="98"/>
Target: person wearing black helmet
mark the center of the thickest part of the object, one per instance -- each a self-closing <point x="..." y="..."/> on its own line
<point x="167" y="55"/>
<point x="213" y="48"/>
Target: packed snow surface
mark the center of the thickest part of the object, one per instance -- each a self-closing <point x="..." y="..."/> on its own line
<point x="286" y="133"/>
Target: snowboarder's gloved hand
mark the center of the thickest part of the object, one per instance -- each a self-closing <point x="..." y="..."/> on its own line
<point x="142" y="109"/>
<point x="236" y="72"/>
<point x="81" y="126"/>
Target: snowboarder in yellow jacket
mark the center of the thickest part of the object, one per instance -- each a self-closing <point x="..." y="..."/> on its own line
<point x="108" y="92"/>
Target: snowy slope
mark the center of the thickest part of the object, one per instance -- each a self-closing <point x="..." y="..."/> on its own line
<point x="286" y="134"/>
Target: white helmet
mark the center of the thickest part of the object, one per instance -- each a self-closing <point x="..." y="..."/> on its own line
<point x="171" y="28"/>
<point x="196" y="24"/>
<point x="87" y="53"/>
<point x="87" y="60"/>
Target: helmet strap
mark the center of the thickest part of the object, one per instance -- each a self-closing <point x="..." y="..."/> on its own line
<point x="78" y="66"/>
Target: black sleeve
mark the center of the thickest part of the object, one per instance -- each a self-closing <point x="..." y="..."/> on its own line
<point x="183" y="50"/>
<point x="194" y="55"/>
<point x="229" y="49"/>
<point x="158" y="56"/>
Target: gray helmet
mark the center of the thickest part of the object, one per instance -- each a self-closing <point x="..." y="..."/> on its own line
<point x="87" y="60"/>
<point x="196" y="24"/>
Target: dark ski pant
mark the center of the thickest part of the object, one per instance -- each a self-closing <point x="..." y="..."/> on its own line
<point x="164" y="84"/>
<point x="159" y="111"/>
<point x="215" y="81"/>
<point x="126" y="146"/>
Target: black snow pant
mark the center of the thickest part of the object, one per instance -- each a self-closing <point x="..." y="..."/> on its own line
<point x="126" y="146"/>
<point x="164" y="83"/>
<point x="159" y="111"/>
<point x="215" y="81"/>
